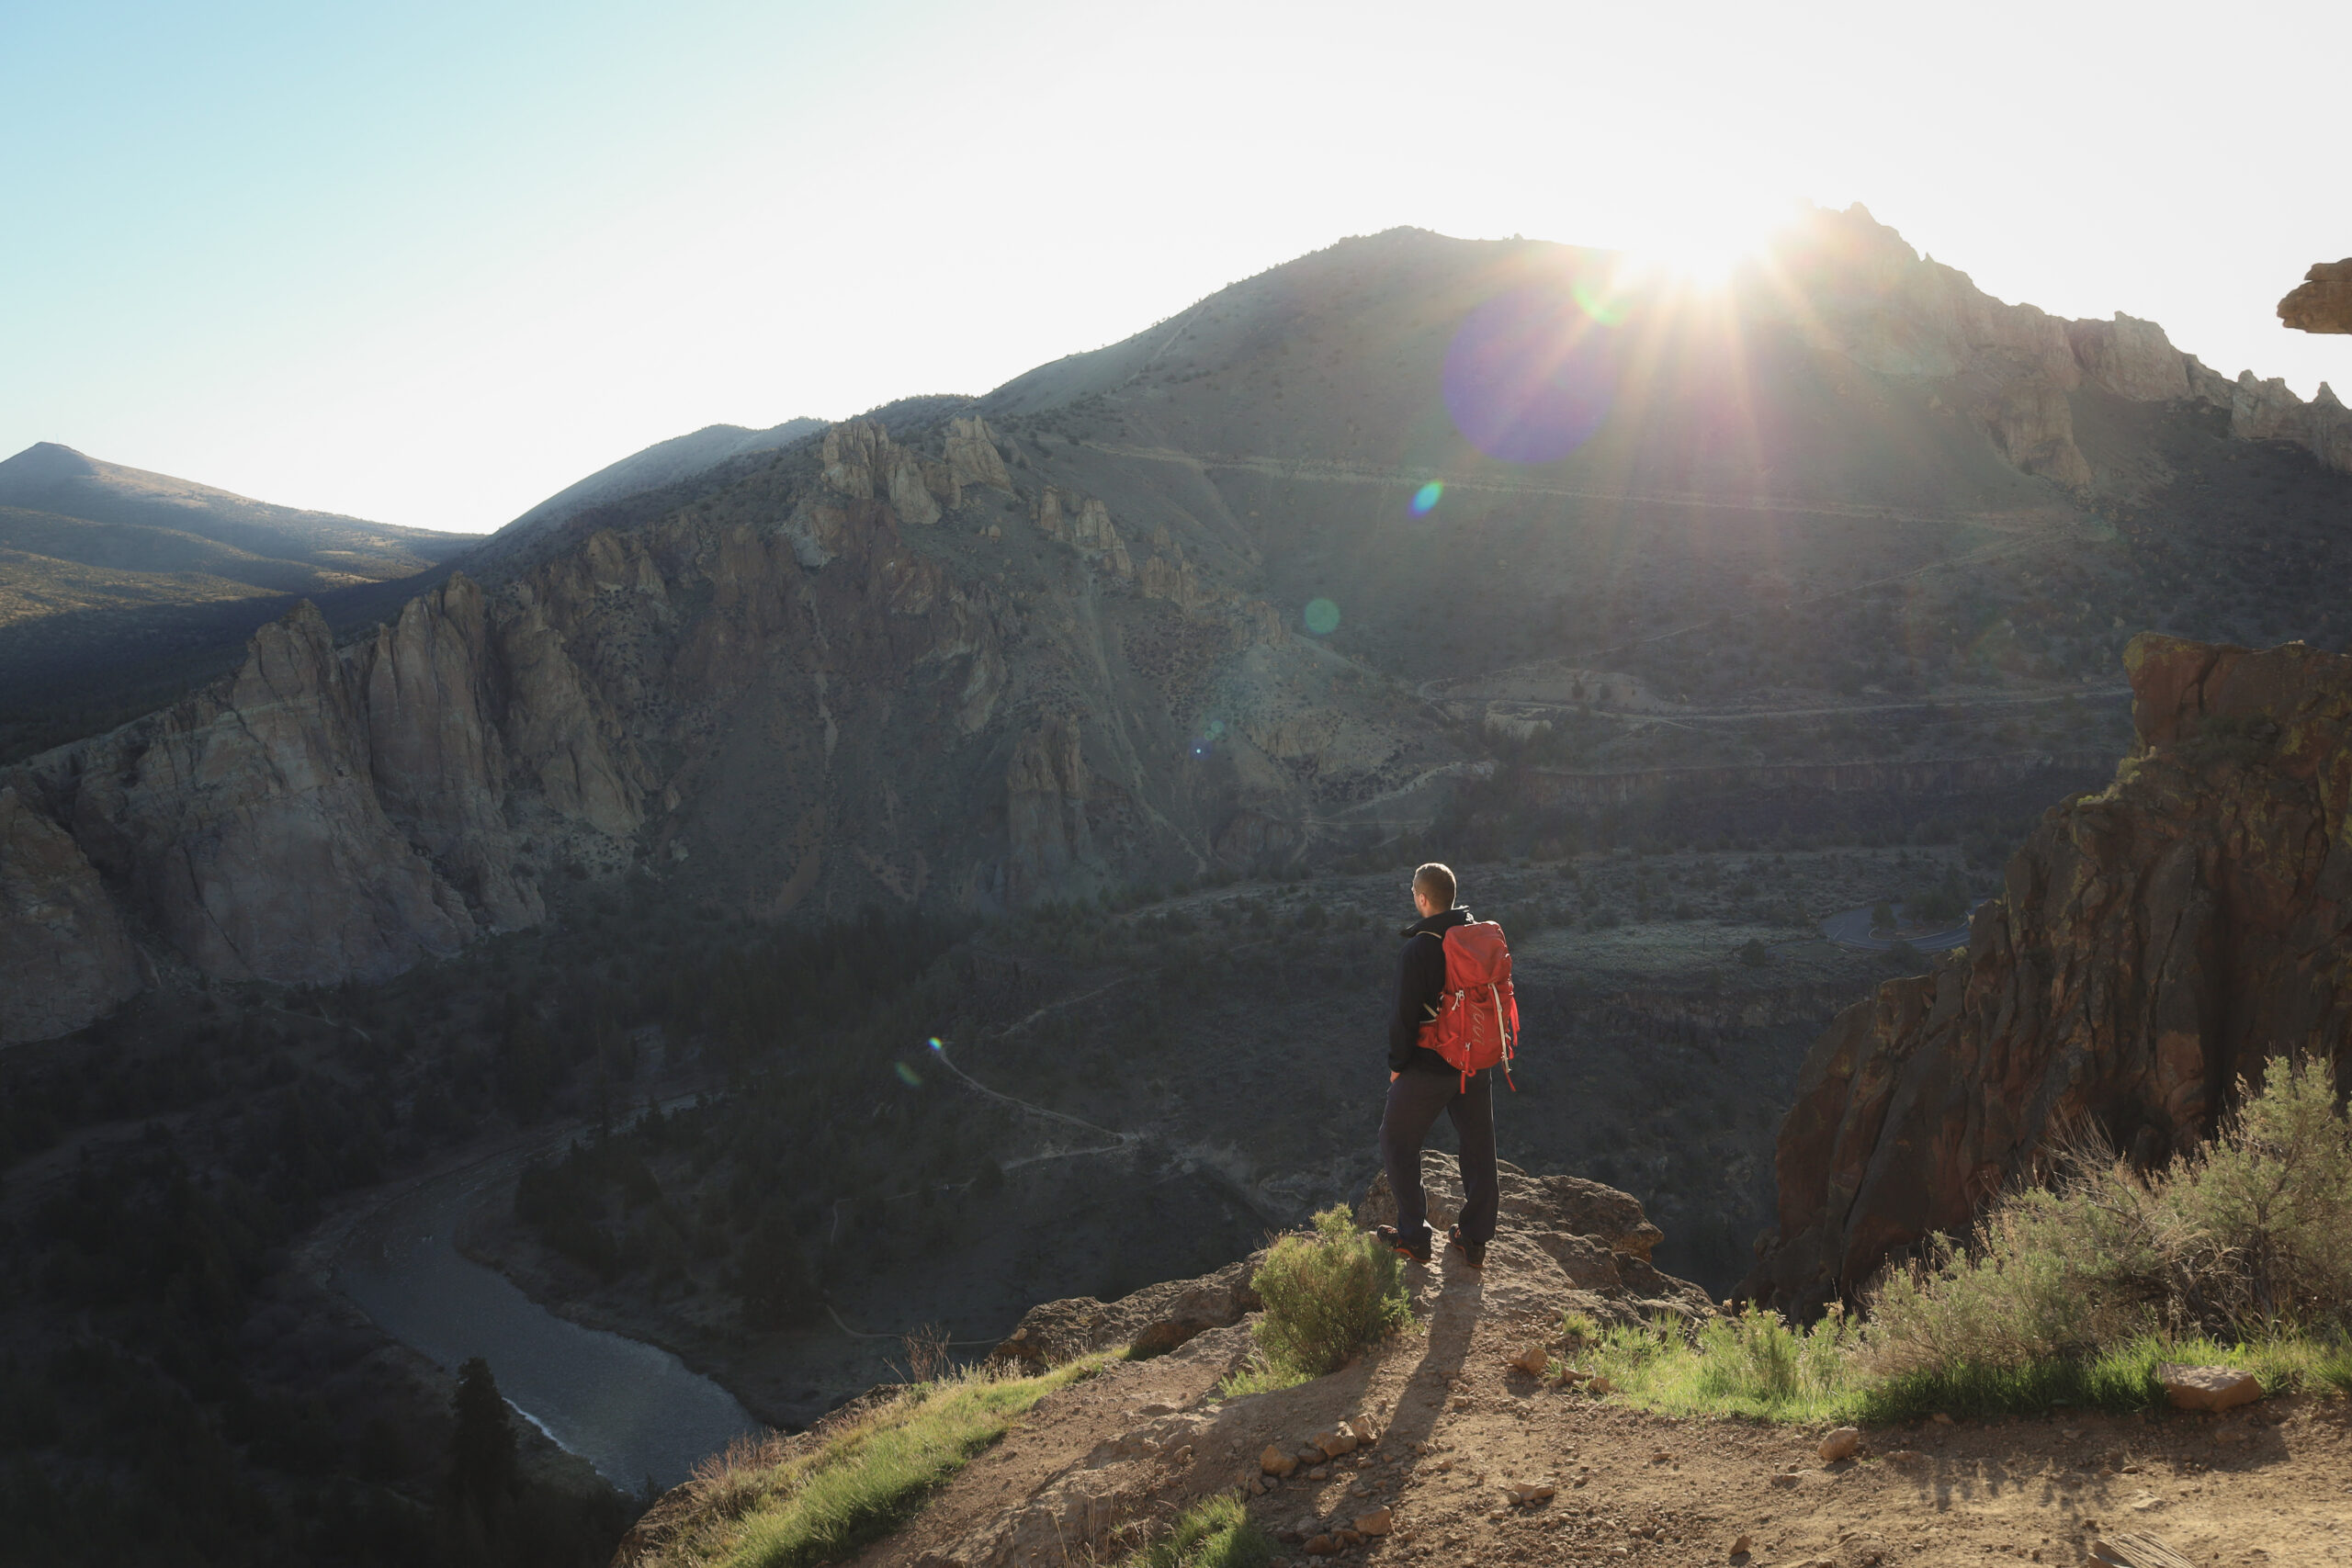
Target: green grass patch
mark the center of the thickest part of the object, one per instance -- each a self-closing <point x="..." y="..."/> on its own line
<point x="1328" y="1293"/>
<point x="1756" y="1365"/>
<point x="2120" y="1378"/>
<point x="1217" y="1533"/>
<point x="1753" y="1364"/>
<point x="763" y="1511"/>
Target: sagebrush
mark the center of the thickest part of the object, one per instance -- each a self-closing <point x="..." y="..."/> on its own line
<point x="2247" y="1238"/>
<point x="1327" y="1295"/>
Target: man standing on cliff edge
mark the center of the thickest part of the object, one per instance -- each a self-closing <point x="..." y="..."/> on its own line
<point x="1421" y="1083"/>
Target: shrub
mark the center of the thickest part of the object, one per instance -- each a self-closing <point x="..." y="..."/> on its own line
<point x="2248" y="1238"/>
<point x="1327" y="1295"/>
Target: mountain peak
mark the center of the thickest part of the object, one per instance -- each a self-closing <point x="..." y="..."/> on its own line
<point x="48" y="460"/>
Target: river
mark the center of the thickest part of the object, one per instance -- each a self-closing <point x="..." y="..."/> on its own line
<point x="633" y="1411"/>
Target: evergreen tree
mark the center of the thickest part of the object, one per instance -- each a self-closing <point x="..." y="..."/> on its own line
<point x="482" y="1468"/>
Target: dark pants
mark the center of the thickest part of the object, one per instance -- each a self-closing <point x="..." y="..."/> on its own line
<point x="1414" y="1101"/>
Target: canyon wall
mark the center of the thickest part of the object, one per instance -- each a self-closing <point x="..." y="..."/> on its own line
<point x="2154" y="944"/>
<point x="799" y="697"/>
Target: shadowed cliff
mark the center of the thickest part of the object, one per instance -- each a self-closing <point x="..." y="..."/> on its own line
<point x="2155" y="943"/>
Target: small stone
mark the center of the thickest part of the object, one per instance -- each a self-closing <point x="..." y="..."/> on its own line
<point x="2208" y="1388"/>
<point x="1149" y="1410"/>
<point x="1907" y="1458"/>
<point x="1533" y="1360"/>
<point x="1660" y="1456"/>
<point x="1785" y="1479"/>
<point x="1380" y="1521"/>
<point x="1321" y="1546"/>
<point x="1523" y="1492"/>
<point x="1348" y="1537"/>
<point x="1274" y="1461"/>
<point x="1843" y="1443"/>
<point x="1940" y="1419"/>
<point x="1742" y="1544"/>
<point x="1601" y="1385"/>
<point x="1321" y="1472"/>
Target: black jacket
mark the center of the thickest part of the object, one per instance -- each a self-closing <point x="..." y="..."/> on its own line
<point x="1420" y="982"/>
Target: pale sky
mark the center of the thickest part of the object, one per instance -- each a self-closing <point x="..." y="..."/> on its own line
<point x="428" y="263"/>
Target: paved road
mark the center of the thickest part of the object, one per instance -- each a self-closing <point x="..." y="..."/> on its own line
<point x="1851" y="928"/>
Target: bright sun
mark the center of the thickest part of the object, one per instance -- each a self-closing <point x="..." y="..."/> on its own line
<point x="1704" y="243"/>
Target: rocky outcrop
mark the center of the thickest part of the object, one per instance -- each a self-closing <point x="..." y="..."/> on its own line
<point x="1083" y="524"/>
<point x="1153" y="1320"/>
<point x="2323" y="302"/>
<point x="1051" y="843"/>
<point x="973" y="458"/>
<point x="2152" y="945"/>
<point x="2032" y="427"/>
<point x="863" y="463"/>
<point x="62" y="948"/>
<point x="246" y="822"/>
<point x="2129" y="357"/>
<point x="1871" y="296"/>
<point x="2269" y="410"/>
<point x="1561" y="1242"/>
<point x="327" y="813"/>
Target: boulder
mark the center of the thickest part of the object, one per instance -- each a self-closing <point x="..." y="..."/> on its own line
<point x="2208" y="1388"/>
<point x="1843" y="1442"/>
<point x="2154" y="944"/>
<point x="1156" y="1318"/>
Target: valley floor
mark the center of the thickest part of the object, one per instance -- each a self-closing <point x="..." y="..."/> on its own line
<point x="2267" y="1485"/>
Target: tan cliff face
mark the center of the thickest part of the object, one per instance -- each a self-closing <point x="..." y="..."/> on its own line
<point x="806" y="694"/>
<point x="63" y="946"/>
<point x="2323" y="302"/>
<point x="2154" y="943"/>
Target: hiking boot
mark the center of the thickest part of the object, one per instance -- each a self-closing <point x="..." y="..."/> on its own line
<point x="1389" y="1237"/>
<point x="1474" y="1253"/>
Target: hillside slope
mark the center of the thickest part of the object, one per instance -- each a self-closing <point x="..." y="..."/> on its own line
<point x="1451" y="1426"/>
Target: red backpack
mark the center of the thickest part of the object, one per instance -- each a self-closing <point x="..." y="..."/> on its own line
<point x="1477" y="1024"/>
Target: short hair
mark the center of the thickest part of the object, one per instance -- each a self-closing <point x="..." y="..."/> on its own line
<point x="1437" y="881"/>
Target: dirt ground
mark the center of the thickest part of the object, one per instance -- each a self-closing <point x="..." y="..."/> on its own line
<point x="2271" y="1484"/>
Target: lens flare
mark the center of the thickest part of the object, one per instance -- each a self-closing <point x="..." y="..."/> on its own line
<point x="936" y="1044"/>
<point x="1598" y="302"/>
<point x="907" y="1075"/>
<point x="1425" y="499"/>
<point x="1322" y="616"/>
<point x="1531" y="374"/>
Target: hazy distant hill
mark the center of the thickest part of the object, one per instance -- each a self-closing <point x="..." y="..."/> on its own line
<point x="46" y="477"/>
<point x="120" y="588"/>
<point x="663" y="463"/>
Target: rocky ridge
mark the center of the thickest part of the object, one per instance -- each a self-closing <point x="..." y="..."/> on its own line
<point x="804" y="694"/>
<point x="2154" y="943"/>
<point x="1874" y="298"/>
